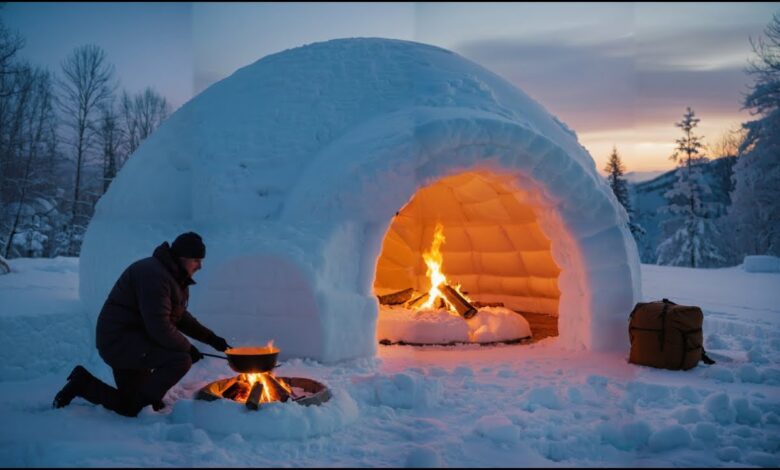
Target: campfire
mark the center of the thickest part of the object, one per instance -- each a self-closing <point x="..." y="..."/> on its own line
<point x="444" y="314"/>
<point x="441" y="295"/>
<point x="253" y="389"/>
<point x="298" y="390"/>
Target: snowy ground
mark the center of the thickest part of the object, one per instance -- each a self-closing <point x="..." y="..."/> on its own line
<point x="537" y="405"/>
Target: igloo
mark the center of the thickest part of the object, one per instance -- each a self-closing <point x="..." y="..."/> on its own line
<point x="316" y="176"/>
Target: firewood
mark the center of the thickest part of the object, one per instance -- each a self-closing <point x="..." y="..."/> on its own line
<point x="420" y="299"/>
<point x="396" y="297"/>
<point x="275" y="390"/>
<point x="461" y="305"/>
<point x="253" y="401"/>
<point x="236" y="391"/>
<point x="478" y="304"/>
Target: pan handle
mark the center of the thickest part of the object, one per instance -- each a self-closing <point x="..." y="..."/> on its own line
<point x="215" y="355"/>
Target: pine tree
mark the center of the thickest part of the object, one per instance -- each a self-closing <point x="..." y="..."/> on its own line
<point x="691" y="232"/>
<point x="755" y="208"/>
<point x="615" y="170"/>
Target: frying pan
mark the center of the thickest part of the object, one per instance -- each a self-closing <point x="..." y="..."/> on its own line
<point x="250" y="360"/>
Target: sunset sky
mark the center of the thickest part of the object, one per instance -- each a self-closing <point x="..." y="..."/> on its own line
<point x="617" y="73"/>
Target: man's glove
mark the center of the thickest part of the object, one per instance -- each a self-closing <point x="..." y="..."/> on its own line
<point x="195" y="354"/>
<point x="219" y="343"/>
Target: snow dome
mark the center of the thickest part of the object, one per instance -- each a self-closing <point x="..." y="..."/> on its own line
<point x="317" y="175"/>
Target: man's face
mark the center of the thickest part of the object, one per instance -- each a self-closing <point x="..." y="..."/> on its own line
<point x="191" y="265"/>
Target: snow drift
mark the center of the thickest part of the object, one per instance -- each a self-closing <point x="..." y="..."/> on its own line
<point x="298" y="169"/>
<point x="761" y="264"/>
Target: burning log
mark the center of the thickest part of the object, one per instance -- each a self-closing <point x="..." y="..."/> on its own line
<point x="461" y="305"/>
<point x="236" y="391"/>
<point x="275" y="389"/>
<point x="396" y="297"/>
<point x="420" y="299"/>
<point x="253" y="401"/>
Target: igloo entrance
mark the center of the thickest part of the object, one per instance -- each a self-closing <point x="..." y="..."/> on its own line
<point x="487" y="243"/>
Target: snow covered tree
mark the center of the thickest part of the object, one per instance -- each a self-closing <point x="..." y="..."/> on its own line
<point x="755" y="208"/>
<point x="615" y="170"/>
<point x="28" y="156"/>
<point x="88" y="84"/>
<point x="30" y="177"/>
<point x="10" y="88"/>
<point x="691" y="235"/>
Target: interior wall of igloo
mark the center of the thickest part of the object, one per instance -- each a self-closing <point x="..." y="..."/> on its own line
<point x="494" y="247"/>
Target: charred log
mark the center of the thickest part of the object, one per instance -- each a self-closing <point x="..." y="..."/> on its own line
<point x="478" y="304"/>
<point x="461" y="305"/>
<point x="276" y="390"/>
<point x="419" y="300"/>
<point x="253" y="401"/>
<point x="237" y="391"/>
<point x="396" y="297"/>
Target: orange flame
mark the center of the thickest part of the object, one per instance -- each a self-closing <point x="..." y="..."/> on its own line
<point x="268" y="395"/>
<point x="265" y="378"/>
<point x="434" y="260"/>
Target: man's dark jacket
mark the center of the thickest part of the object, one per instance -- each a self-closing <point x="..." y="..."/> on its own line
<point x="151" y="296"/>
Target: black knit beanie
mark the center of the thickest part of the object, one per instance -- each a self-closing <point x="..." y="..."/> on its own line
<point x="189" y="245"/>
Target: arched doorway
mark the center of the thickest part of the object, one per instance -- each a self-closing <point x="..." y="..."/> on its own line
<point x="491" y="245"/>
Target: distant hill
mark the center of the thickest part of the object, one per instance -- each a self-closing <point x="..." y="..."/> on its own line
<point x="640" y="176"/>
<point x="648" y="196"/>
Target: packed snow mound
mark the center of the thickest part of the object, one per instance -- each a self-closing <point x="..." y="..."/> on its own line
<point x="292" y="170"/>
<point x="272" y="421"/>
<point x="490" y="324"/>
<point x="761" y="264"/>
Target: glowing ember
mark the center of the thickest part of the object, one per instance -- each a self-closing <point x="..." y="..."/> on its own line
<point x="434" y="260"/>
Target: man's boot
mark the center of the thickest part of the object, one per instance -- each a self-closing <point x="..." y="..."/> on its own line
<point x="83" y="384"/>
<point x="76" y="380"/>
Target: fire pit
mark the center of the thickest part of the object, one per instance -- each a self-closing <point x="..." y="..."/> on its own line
<point x="254" y="390"/>
<point x="444" y="315"/>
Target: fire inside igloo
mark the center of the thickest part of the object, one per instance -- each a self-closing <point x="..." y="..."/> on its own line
<point x="312" y="173"/>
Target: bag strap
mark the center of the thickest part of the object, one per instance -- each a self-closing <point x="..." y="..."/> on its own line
<point x="704" y="357"/>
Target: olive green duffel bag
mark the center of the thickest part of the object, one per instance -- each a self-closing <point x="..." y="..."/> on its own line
<point x="666" y="335"/>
